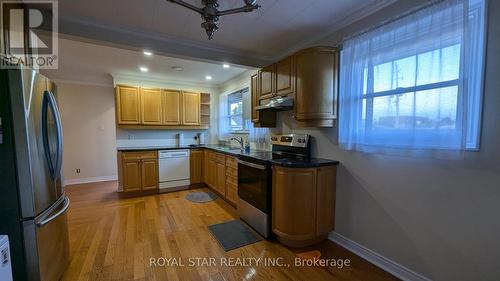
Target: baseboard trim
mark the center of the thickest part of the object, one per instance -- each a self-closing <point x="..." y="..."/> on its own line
<point x="377" y="259"/>
<point x="90" y="180"/>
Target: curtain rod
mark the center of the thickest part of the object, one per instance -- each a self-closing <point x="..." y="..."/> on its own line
<point x="393" y="19"/>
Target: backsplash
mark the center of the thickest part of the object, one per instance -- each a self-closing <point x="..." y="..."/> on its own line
<point x="135" y="138"/>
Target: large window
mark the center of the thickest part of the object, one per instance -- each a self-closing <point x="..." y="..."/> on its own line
<point x="231" y="113"/>
<point x="235" y="110"/>
<point x="415" y="83"/>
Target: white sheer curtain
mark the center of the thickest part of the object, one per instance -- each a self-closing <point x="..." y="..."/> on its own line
<point x="415" y="83"/>
<point x="224" y="128"/>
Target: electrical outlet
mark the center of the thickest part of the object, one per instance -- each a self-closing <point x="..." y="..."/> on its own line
<point x="77" y="171"/>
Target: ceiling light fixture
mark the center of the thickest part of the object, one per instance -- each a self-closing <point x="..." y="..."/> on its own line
<point x="226" y="65"/>
<point x="208" y="77"/>
<point x="177" y="68"/>
<point x="143" y="69"/>
<point x="147" y="53"/>
<point x="211" y="14"/>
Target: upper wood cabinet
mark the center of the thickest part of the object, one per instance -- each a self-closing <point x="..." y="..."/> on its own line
<point x="316" y="92"/>
<point x="160" y="108"/>
<point x="254" y="84"/>
<point x="128" y="105"/>
<point x="190" y="108"/>
<point x="267" y="82"/>
<point x="285" y="77"/>
<point x="171" y="107"/>
<point x="311" y="77"/>
<point x="264" y="118"/>
<point x="303" y="204"/>
<point x="151" y="107"/>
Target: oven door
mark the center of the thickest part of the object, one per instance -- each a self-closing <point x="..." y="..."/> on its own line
<point x="254" y="184"/>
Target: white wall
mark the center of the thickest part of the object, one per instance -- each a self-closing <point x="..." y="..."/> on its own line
<point x="237" y="83"/>
<point x="436" y="217"/>
<point x="88" y="118"/>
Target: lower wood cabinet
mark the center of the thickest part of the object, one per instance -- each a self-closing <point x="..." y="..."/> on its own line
<point x="149" y="174"/>
<point x="138" y="171"/>
<point x="220" y="174"/>
<point x="196" y="166"/>
<point x="131" y="179"/>
<point x="303" y="204"/>
<point x="232" y="179"/>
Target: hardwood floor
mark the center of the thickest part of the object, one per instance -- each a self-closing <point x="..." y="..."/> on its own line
<point x="114" y="239"/>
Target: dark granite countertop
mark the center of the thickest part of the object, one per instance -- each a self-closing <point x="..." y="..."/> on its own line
<point x="254" y="154"/>
<point x="304" y="163"/>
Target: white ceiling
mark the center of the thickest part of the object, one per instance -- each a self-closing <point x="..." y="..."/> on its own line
<point x="256" y="38"/>
<point x="91" y="63"/>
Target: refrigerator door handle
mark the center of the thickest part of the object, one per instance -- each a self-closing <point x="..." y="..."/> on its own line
<point x="58" y="122"/>
<point x="54" y="168"/>
<point x="57" y="214"/>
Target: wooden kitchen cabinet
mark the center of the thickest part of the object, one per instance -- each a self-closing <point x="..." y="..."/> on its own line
<point x="210" y="169"/>
<point x="171" y="104"/>
<point x="285" y="77"/>
<point x="190" y="108"/>
<point x="316" y="87"/>
<point x="149" y="175"/>
<point x="231" y="190"/>
<point x="128" y="105"/>
<point x="131" y="180"/>
<point x="267" y="82"/>
<point x="196" y="166"/>
<point x="303" y="204"/>
<point x="151" y="106"/>
<point x="138" y="171"/>
<point x="254" y="84"/>
<point x="221" y="175"/>
<point x="311" y="77"/>
<point x="260" y="118"/>
<point x="138" y="108"/>
<point x="220" y="185"/>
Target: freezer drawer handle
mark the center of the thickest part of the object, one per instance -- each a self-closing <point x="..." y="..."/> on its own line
<point x="60" y="212"/>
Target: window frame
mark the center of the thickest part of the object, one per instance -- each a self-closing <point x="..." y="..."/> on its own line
<point x="230" y="115"/>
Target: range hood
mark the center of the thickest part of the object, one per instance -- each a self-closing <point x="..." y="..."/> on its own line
<point x="277" y="104"/>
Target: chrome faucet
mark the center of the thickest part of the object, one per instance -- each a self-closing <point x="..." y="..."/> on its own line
<point x="240" y="140"/>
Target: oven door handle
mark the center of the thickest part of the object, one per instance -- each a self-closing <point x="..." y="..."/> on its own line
<point x="253" y="165"/>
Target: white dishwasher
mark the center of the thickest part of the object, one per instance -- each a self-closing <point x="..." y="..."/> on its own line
<point x="173" y="169"/>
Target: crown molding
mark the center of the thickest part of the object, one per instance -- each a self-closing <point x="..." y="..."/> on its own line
<point x="81" y="82"/>
<point x="339" y="24"/>
<point x="134" y="39"/>
<point x="164" y="83"/>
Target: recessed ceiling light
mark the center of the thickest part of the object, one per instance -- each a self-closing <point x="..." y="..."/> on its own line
<point x="208" y="77"/>
<point x="226" y="65"/>
<point x="147" y="53"/>
<point x="143" y="69"/>
<point x="177" y="68"/>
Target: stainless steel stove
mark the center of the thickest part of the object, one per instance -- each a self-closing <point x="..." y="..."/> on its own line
<point x="255" y="178"/>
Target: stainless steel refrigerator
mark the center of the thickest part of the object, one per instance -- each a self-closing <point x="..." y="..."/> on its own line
<point x="32" y="201"/>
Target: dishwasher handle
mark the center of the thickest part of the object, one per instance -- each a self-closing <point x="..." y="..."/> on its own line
<point x="173" y="154"/>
